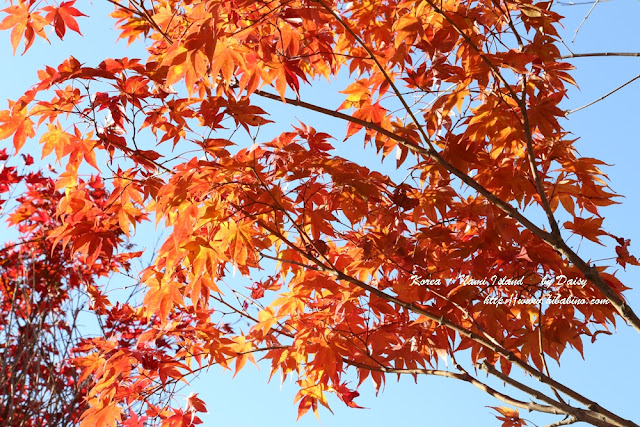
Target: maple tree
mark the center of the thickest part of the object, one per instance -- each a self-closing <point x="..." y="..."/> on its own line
<point x="33" y="390"/>
<point x="360" y="271"/>
<point x="42" y="292"/>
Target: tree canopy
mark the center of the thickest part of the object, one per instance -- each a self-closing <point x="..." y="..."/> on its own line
<point x="461" y="253"/>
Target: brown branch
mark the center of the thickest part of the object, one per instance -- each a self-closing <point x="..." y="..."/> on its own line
<point x="624" y="310"/>
<point x="507" y="209"/>
<point x="611" y="418"/>
<point x="557" y="243"/>
<point x="577" y="3"/>
<point x="369" y="125"/>
<point x="555" y="230"/>
<point x="522" y="103"/>
<point x="592" y="274"/>
<point x="288" y="261"/>
<point x="531" y="158"/>
<point x="510" y="356"/>
<point x="429" y="153"/>
<point x="554" y="239"/>
<point x="557" y="408"/>
<point x="23" y="242"/>
<point x="144" y="14"/>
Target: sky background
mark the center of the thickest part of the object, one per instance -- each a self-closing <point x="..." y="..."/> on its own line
<point x="608" y="131"/>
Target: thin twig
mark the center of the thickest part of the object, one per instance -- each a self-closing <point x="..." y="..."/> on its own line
<point x="592" y="54"/>
<point x="604" y="96"/>
<point x="583" y="20"/>
<point x="576" y="3"/>
<point x="23" y="242"/>
<point x="542" y="356"/>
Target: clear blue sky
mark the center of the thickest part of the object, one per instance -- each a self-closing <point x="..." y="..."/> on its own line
<point x="608" y="131"/>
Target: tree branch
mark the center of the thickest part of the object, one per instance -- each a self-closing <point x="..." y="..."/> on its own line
<point x="596" y="54"/>
<point x="594" y="415"/>
<point x="384" y="72"/>
<point x="565" y="422"/>
<point x="428" y="153"/>
<point x="23" y="242"/>
<point x="584" y="20"/>
<point x="604" y="96"/>
<point x="554" y="240"/>
<point x="531" y="406"/>
<point x="556" y="243"/>
<point x="607" y="416"/>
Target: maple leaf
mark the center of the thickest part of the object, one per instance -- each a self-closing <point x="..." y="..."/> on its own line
<point x="622" y="251"/>
<point x="63" y="17"/>
<point x="133" y="420"/>
<point x="16" y="123"/>
<point x="108" y="416"/>
<point x="25" y="23"/>
<point x="590" y="228"/>
<point x="55" y="139"/>
<point x="162" y="297"/>
<point x="510" y="417"/>
<point x="347" y="396"/>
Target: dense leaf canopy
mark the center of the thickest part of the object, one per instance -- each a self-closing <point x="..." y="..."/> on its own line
<point x="461" y="252"/>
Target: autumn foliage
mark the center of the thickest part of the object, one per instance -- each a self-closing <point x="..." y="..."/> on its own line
<point x="353" y="269"/>
<point x="42" y="293"/>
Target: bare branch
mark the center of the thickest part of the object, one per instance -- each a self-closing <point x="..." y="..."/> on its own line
<point x="583" y="20"/>
<point x="604" y="96"/>
<point x="598" y="54"/>
<point x="595" y="414"/>
<point x="464" y="376"/>
<point x="565" y="422"/>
